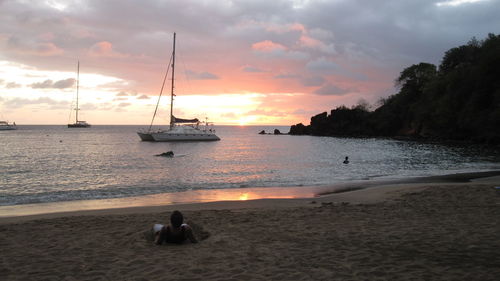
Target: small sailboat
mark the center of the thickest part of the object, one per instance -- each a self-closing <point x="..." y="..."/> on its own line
<point x="4" y="125"/>
<point x="78" y="123"/>
<point x="180" y="129"/>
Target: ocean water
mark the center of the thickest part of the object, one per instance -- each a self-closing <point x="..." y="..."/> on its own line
<point x="54" y="163"/>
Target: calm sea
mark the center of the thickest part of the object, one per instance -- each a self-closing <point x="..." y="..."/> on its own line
<point x="54" y="163"/>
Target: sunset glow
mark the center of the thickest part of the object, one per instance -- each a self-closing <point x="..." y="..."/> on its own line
<point x="275" y="64"/>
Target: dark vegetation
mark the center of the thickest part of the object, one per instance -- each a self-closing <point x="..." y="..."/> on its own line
<point x="460" y="100"/>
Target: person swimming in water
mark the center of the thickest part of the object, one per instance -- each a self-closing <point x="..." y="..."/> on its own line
<point x="346" y="161"/>
<point x="177" y="232"/>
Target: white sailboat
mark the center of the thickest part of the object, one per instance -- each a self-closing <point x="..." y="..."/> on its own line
<point x="4" y="125"/>
<point x="180" y="129"/>
<point x="78" y="123"/>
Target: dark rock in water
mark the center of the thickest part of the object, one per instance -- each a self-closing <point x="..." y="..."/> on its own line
<point x="300" y="129"/>
<point x="275" y="132"/>
<point x="166" y="154"/>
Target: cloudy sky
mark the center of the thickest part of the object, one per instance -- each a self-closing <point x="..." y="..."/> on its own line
<point x="238" y="62"/>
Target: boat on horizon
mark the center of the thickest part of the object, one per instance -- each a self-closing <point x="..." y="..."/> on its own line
<point x="78" y="123"/>
<point x="4" y="126"/>
<point x="180" y="129"/>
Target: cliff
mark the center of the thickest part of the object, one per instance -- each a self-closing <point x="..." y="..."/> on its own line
<point x="460" y="100"/>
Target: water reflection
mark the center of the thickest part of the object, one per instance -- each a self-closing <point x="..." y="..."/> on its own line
<point x="198" y="196"/>
<point x="110" y="162"/>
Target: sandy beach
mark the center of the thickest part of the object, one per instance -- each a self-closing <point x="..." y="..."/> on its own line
<point x="416" y="231"/>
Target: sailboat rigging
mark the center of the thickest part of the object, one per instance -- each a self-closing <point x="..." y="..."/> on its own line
<point x="146" y="135"/>
<point x="78" y="123"/>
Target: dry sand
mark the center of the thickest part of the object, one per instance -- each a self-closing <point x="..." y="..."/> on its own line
<point x="428" y="231"/>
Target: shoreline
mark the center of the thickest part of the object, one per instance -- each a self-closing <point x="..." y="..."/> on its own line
<point x="259" y="197"/>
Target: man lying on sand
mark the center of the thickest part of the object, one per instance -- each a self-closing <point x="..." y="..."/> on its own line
<point x="176" y="232"/>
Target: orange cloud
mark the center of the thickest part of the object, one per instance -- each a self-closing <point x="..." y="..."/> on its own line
<point x="104" y="49"/>
<point x="268" y="46"/>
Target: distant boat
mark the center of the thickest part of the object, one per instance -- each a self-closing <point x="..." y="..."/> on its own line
<point x="78" y="123"/>
<point x="4" y="125"/>
<point x="180" y="129"/>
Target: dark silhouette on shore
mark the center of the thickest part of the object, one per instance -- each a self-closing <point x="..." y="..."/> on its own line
<point x="177" y="232"/>
<point x="459" y="100"/>
<point x="275" y="132"/>
<point x="166" y="154"/>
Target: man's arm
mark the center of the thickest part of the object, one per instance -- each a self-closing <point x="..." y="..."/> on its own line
<point x="159" y="237"/>
<point x="190" y="235"/>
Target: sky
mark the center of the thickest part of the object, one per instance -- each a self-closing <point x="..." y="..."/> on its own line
<point x="237" y="62"/>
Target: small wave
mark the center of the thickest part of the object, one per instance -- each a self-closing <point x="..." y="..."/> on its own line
<point x="369" y="177"/>
<point x="14" y="172"/>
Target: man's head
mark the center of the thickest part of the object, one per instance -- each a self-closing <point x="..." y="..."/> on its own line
<point x="176" y="219"/>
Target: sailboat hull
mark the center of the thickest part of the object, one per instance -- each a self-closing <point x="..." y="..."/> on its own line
<point x="185" y="133"/>
<point x="145" y="136"/>
<point x="79" y="124"/>
<point x="163" y="137"/>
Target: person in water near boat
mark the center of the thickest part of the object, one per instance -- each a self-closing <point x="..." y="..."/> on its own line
<point x="166" y="154"/>
<point x="177" y="232"/>
<point x="346" y="161"/>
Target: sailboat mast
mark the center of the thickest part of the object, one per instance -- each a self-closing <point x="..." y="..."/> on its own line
<point x="172" y="89"/>
<point x="77" y="87"/>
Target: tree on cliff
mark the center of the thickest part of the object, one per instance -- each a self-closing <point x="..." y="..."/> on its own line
<point x="459" y="100"/>
<point x="404" y="113"/>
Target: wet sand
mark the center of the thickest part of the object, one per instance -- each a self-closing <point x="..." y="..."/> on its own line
<point x="415" y="231"/>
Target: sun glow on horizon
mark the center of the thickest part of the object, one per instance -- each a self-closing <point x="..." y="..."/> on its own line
<point x="243" y="197"/>
<point x="247" y="120"/>
<point x="112" y="100"/>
